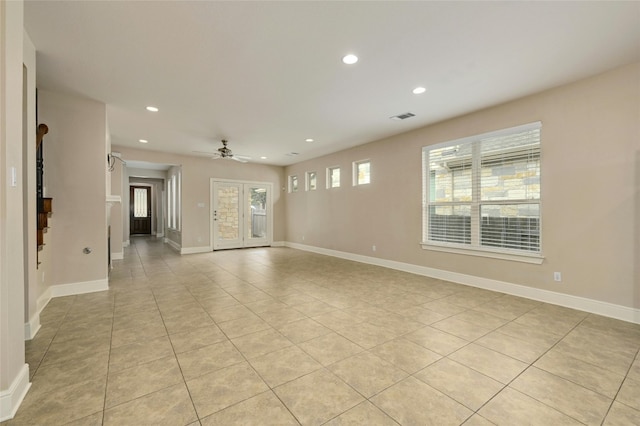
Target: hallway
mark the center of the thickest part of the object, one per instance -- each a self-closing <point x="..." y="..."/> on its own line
<point x="280" y="336"/>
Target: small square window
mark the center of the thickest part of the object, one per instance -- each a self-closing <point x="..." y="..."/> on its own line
<point x="333" y="177"/>
<point x="293" y="183"/>
<point x="361" y="172"/>
<point x="311" y="181"/>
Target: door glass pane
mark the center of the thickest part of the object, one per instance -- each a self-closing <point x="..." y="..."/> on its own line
<point x="139" y="202"/>
<point x="257" y="212"/>
<point x="228" y="213"/>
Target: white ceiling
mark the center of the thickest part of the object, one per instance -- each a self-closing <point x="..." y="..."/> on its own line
<point x="268" y="75"/>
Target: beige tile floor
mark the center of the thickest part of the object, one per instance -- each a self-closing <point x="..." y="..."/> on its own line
<point x="276" y="336"/>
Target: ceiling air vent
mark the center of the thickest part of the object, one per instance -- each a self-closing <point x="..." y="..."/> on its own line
<point x="403" y="116"/>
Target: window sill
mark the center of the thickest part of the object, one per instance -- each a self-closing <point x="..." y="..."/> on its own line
<point x="536" y="259"/>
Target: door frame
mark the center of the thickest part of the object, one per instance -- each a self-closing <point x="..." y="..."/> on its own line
<point x="212" y="208"/>
<point x="150" y="206"/>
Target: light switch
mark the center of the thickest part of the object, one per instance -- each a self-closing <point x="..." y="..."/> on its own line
<point x="14" y="177"/>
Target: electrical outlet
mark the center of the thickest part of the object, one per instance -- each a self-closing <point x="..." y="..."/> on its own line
<point x="373" y="248"/>
<point x="303" y="238"/>
<point x="557" y="276"/>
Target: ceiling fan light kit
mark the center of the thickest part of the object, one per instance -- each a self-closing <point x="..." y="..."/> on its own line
<point x="225" y="152"/>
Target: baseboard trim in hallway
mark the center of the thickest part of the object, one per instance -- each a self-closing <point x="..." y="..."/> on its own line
<point x="61" y="290"/>
<point x="11" y="399"/>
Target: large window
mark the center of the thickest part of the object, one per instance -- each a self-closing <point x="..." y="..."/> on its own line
<point x="174" y="186"/>
<point x="483" y="192"/>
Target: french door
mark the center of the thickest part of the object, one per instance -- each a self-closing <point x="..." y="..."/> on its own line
<point x="241" y="214"/>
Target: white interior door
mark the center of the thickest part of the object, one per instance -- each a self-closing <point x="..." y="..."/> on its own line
<point x="241" y="214"/>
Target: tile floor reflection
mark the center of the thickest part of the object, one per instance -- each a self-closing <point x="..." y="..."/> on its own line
<point x="276" y="336"/>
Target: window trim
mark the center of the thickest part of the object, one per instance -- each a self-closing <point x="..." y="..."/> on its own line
<point x="535" y="258"/>
<point x="477" y="249"/>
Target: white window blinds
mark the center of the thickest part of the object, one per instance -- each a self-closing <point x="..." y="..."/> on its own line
<point x="483" y="192"/>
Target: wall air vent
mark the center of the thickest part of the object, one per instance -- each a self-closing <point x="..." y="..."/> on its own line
<point x="403" y="116"/>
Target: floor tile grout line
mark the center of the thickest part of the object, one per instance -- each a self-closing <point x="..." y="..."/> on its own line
<point x="157" y="390"/>
<point x="377" y="304"/>
<point x="175" y="356"/>
<point x="527" y="368"/>
<point x="106" y="387"/>
<point x="52" y="339"/>
<point x="626" y="376"/>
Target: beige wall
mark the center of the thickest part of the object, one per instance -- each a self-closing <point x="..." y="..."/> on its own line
<point x="14" y="373"/>
<point x="636" y="228"/>
<point x="75" y="177"/>
<point x="196" y="175"/>
<point x="590" y="137"/>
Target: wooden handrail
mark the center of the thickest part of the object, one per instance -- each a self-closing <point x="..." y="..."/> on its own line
<point x="43" y="129"/>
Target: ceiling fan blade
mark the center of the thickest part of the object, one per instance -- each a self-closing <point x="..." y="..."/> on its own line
<point x="240" y="158"/>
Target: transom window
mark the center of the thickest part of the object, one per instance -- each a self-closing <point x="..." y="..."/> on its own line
<point x="361" y="172"/>
<point x="311" y="181"/>
<point x="333" y="177"/>
<point x="483" y="192"/>
<point x="293" y="183"/>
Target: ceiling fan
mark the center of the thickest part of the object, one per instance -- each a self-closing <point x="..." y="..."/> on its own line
<point x="225" y="152"/>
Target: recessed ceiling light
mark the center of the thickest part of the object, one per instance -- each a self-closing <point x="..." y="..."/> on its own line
<point x="419" y="90"/>
<point x="308" y="140"/>
<point x="143" y="141"/>
<point x="263" y="158"/>
<point x="152" y="109"/>
<point x="350" y="59"/>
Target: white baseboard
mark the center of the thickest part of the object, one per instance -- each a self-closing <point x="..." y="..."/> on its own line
<point x="192" y="250"/>
<point x="126" y="243"/>
<point x="11" y="398"/>
<point x="173" y="245"/>
<point x="79" y="288"/>
<point x="160" y="235"/>
<point x="611" y="310"/>
<point x="117" y="256"/>
<point x="43" y="300"/>
<point x="31" y="328"/>
<point x="278" y="244"/>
